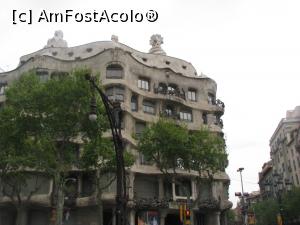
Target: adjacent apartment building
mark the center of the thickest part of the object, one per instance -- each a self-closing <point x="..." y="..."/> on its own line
<point x="148" y="85"/>
<point x="266" y="177"/>
<point x="285" y="147"/>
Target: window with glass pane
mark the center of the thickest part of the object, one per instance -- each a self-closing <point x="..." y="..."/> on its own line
<point x="162" y="88"/>
<point x="172" y="88"/>
<point x="58" y="75"/>
<point x="186" y="115"/>
<point x="169" y="111"/>
<point x="134" y="103"/>
<point x="115" y="93"/>
<point x="143" y="84"/>
<point x="183" y="188"/>
<point x="88" y="186"/>
<point x="109" y="92"/>
<point x="3" y="86"/>
<point x="192" y="95"/>
<point x="148" y="107"/>
<point x="114" y="71"/>
<point x="139" y="128"/>
<point x="42" y="74"/>
<point x="211" y="99"/>
<point x="204" y="118"/>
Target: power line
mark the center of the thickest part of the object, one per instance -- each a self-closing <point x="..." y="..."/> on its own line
<point x="245" y="181"/>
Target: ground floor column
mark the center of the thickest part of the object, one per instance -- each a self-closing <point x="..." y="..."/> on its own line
<point x="163" y="215"/>
<point x="223" y="219"/>
<point x="131" y="185"/>
<point x="192" y="217"/>
<point x="160" y="187"/>
<point x="22" y="217"/>
<point x="114" y="219"/>
<point x="132" y="217"/>
<point x="213" y="218"/>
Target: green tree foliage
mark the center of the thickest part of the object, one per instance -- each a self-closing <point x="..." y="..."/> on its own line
<point x="42" y="125"/>
<point x="267" y="210"/>
<point x="165" y="143"/>
<point x="207" y="151"/>
<point x="172" y="146"/>
<point x="291" y="204"/>
<point x="230" y="217"/>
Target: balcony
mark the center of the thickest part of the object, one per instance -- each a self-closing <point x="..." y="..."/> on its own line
<point x="170" y="92"/>
<point x="219" y="122"/>
<point x="146" y="203"/>
<point x="219" y="106"/>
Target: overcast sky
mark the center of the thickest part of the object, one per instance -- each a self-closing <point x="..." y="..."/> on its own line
<point x="250" y="48"/>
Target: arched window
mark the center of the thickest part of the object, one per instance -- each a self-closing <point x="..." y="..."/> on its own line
<point x="114" y="71"/>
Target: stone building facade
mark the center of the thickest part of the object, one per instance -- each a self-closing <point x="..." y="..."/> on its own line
<point x="266" y="176"/>
<point x="285" y="147"/>
<point x="148" y="85"/>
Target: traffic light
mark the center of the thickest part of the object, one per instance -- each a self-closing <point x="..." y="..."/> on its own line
<point x="187" y="216"/>
<point x="181" y="213"/>
<point x="184" y="214"/>
<point x="53" y="216"/>
<point x="251" y="218"/>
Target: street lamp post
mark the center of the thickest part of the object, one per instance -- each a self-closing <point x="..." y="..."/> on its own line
<point x="244" y="211"/>
<point x="277" y="184"/>
<point x="114" y="114"/>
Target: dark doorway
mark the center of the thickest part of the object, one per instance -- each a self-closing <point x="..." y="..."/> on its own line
<point x="200" y="219"/>
<point x="7" y="216"/>
<point x="107" y="217"/>
<point x="38" y="217"/>
<point x="172" y="219"/>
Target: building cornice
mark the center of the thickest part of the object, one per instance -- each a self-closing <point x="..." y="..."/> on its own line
<point x="94" y="48"/>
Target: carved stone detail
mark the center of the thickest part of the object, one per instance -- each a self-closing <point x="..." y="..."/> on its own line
<point x="156" y="41"/>
<point x="114" y="38"/>
<point x="146" y="203"/>
<point x="226" y="205"/>
<point x="57" y="40"/>
<point x="209" y="203"/>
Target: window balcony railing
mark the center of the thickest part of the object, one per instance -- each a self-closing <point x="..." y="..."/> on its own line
<point x="174" y="115"/>
<point x="165" y="91"/>
<point x="219" y="122"/>
<point x="220" y="104"/>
